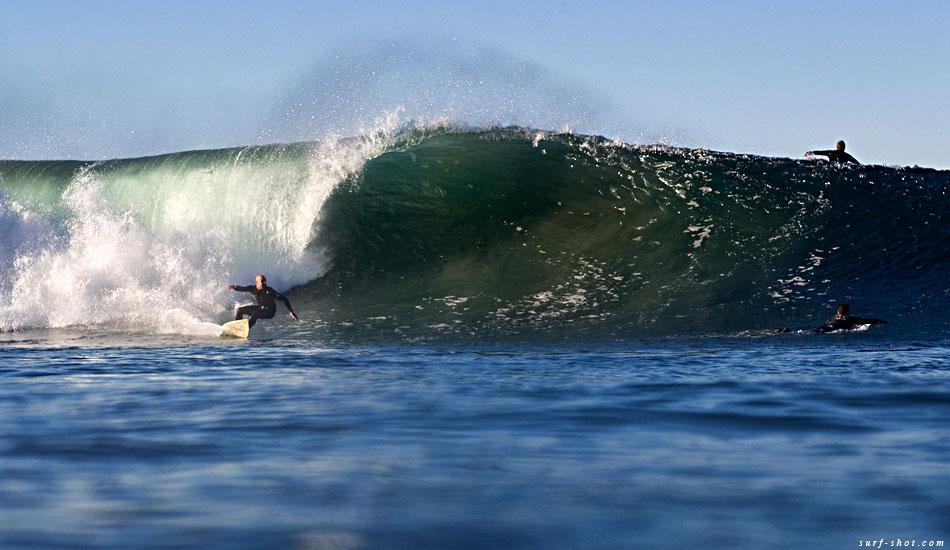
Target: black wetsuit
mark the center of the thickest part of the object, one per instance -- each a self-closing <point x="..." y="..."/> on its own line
<point x="266" y="307"/>
<point x="846" y="322"/>
<point x="836" y="156"/>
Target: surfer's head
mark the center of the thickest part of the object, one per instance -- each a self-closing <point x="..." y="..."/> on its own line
<point x="840" y="145"/>
<point x="261" y="281"/>
<point x="844" y="309"/>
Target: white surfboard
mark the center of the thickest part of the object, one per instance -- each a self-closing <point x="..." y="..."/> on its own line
<point x="235" y="329"/>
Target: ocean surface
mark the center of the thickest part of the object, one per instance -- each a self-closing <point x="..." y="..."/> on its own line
<point x="509" y="338"/>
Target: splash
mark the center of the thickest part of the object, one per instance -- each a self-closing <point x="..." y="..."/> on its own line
<point x="150" y="244"/>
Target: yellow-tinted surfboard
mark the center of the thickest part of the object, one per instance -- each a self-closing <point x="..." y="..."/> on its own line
<point x="235" y="329"/>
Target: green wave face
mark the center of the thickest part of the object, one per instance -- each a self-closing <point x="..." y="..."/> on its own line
<point x="521" y="234"/>
<point x="444" y="233"/>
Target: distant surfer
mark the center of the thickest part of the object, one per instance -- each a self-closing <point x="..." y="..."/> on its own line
<point x="843" y="320"/>
<point x="266" y="307"/>
<point x="836" y="155"/>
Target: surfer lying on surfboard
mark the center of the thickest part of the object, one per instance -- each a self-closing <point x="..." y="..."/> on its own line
<point x="843" y="320"/>
<point x="266" y="306"/>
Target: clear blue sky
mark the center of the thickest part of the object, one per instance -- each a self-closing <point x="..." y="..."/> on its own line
<point x="112" y="79"/>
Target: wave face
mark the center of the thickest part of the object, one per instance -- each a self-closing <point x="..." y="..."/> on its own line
<point x="455" y="234"/>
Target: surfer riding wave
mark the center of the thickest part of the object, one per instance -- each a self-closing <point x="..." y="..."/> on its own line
<point x="266" y="307"/>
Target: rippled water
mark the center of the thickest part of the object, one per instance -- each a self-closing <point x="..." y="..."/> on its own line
<point x="109" y="442"/>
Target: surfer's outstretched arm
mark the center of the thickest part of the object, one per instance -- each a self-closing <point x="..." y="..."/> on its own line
<point x="835" y="155"/>
<point x="240" y="288"/>
<point x="286" y="302"/>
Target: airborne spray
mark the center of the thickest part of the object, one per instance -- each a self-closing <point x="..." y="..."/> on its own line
<point x="433" y="81"/>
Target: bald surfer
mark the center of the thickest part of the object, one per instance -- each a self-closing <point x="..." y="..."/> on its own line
<point x="842" y="320"/>
<point x="836" y="155"/>
<point x="266" y="307"/>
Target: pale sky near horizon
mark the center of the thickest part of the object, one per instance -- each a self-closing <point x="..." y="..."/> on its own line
<point x="117" y="79"/>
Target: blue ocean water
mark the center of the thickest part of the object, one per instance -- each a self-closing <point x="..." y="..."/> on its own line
<point x="509" y="338"/>
<point x="728" y="442"/>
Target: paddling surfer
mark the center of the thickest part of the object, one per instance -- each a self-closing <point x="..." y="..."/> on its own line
<point x="835" y="155"/>
<point x="266" y="307"/>
<point x="842" y="320"/>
